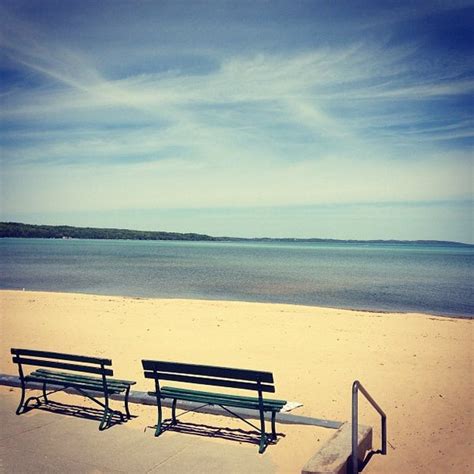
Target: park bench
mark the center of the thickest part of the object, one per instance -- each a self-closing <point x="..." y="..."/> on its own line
<point x="76" y="375"/>
<point x="228" y="378"/>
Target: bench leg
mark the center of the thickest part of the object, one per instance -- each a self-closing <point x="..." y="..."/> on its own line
<point x="45" y="396"/>
<point x="159" y="421"/>
<point x="105" y="420"/>
<point x="23" y="404"/>
<point x="263" y="436"/>
<point x="126" y="403"/>
<point x="274" y="435"/>
<point x="173" y="412"/>
<point x="21" y="408"/>
<point x="263" y="443"/>
<point x="107" y="414"/>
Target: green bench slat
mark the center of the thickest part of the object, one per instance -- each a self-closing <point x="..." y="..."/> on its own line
<point x="93" y="384"/>
<point x="110" y="381"/>
<point x="60" y="355"/>
<point x="62" y="365"/>
<point x="208" y="370"/>
<point x="224" y="396"/>
<point x="71" y="383"/>
<point x="216" y="400"/>
<point x="64" y="377"/>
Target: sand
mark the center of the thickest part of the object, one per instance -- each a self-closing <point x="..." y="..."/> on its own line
<point x="418" y="367"/>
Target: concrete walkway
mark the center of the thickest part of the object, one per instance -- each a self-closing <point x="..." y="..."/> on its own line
<point x="45" y="441"/>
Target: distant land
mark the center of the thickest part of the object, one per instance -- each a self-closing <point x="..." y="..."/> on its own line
<point x="20" y="230"/>
<point x="16" y="229"/>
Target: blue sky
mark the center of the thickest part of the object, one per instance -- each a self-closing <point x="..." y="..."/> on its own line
<point x="337" y="119"/>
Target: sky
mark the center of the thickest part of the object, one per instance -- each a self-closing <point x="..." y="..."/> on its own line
<point x="331" y="119"/>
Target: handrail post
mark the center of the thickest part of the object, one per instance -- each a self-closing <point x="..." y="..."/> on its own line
<point x="356" y="386"/>
<point x="355" y="427"/>
<point x="384" y="434"/>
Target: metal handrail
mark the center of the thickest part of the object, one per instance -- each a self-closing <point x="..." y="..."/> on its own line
<point x="356" y="386"/>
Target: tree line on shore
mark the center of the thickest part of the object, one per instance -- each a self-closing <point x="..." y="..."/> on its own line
<point x="20" y="230"/>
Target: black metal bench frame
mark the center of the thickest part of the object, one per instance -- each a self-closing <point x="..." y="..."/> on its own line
<point x="242" y="379"/>
<point x="80" y="380"/>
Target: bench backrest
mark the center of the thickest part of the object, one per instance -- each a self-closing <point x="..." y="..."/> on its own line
<point x="209" y="375"/>
<point x="58" y="360"/>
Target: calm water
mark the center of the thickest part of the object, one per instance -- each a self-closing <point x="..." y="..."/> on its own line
<point x="375" y="277"/>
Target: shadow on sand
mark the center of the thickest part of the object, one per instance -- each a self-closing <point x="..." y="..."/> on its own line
<point x="77" y="411"/>
<point x="367" y="459"/>
<point x="232" y="434"/>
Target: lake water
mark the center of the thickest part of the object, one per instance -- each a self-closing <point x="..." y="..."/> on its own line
<point x="422" y="278"/>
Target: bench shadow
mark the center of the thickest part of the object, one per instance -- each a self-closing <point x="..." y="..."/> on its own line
<point x="232" y="434"/>
<point x="77" y="411"/>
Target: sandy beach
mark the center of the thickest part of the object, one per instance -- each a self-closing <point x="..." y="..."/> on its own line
<point x="418" y="367"/>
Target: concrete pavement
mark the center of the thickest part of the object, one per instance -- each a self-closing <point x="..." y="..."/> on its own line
<point x="50" y="441"/>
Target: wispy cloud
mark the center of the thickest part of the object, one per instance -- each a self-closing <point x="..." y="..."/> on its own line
<point x="279" y="89"/>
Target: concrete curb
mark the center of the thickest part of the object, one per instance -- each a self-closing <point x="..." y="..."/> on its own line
<point x="143" y="398"/>
<point x="334" y="457"/>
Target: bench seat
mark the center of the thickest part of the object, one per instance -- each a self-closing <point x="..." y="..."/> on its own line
<point x="86" y="382"/>
<point x="213" y="398"/>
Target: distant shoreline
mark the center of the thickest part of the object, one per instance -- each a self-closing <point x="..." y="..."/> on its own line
<point x="32" y="231"/>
